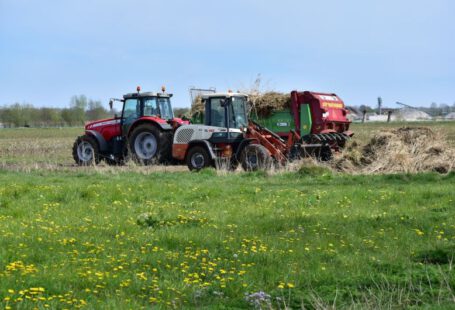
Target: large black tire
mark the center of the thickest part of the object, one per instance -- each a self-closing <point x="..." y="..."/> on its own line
<point x="86" y="151"/>
<point x="255" y="157"/>
<point x="198" y="158"/>
<point x="149" y="145"/>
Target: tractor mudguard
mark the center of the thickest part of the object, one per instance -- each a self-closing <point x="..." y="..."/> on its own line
<point x="206" y="144"/>
<point x="139" y="122"/>
<point x="99" y="138"/>
<point x="241" y="146"/>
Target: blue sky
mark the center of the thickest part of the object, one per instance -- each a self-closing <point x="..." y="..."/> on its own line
<point x="401" y="50"/>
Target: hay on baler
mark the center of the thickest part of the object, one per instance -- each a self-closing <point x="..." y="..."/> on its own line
<point x="197" y="106"/>
<point x="265" y="103"/>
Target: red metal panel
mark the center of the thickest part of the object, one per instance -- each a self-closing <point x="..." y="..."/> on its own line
<point x="108" y="128"/>
<point x="327" y="111"/>
<point x="153" y="118"/>
<point x="179" y="151"/>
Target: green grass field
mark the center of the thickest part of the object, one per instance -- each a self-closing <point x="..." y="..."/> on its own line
<point x="201" y="240"/>
<point x="118" y="238"/>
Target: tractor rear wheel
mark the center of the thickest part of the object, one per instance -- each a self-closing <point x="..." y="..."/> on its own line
<point x="198" y="158"/>
<point x="86" y="151"/>
<point x="147" y="144"/>
<point x="255" y="157"/>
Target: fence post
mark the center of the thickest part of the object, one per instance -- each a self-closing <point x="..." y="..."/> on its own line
<point x="389" y="114"/>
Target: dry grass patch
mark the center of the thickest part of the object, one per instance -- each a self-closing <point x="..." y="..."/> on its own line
<point x="406" y="149"/>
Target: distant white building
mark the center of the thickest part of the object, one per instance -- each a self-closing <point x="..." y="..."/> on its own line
<point x="450" y="116"/>
<point x="377" y="118"/>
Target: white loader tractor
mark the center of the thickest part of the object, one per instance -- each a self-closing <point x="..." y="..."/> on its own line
<point x="220" y="138"/>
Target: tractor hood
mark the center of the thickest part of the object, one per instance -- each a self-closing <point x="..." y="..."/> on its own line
<point x="102" y="123"/>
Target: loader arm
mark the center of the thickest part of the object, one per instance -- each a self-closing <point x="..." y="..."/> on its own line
<point x="277" y="148"/>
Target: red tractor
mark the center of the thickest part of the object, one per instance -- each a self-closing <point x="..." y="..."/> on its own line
<point x="144" y="131"/>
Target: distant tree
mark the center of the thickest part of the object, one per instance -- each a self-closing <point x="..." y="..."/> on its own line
<point x="80" y="109"/>
<point x="67" y="116"/>
<point x="17" y="116"/>
<point x="73" y="116"/>
<point x="79" y="102"/>
<point x="6" y="117"/>
<point x="96" y="110"/>
<point x="50" y="116"/>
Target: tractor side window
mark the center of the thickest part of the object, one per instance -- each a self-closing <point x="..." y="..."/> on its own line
<point x="132" y="109"/>
<point x="150" y="108"/>
<point x="216" y="113"/>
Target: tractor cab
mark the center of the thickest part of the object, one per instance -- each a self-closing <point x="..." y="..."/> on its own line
<point x="225" y="110"/>
<point x="150" y="106"/>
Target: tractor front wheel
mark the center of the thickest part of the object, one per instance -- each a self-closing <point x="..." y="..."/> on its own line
<point x="198" y="158"/>
<point x="86" y="151"/>
<point x="255" y="157"/>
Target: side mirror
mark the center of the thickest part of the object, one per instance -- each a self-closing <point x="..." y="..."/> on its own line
<point x="116" y="116"/>
<point x="111" y="103"/>
<point x="223" y="102"/>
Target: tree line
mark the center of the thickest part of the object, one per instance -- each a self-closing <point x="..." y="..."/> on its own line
<point x="80" y="110"/>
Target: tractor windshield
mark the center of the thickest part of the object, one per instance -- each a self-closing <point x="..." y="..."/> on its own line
<point x="238" y="117"/>
<point x="156" y="106"/>
<point x="164" y="105"/>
